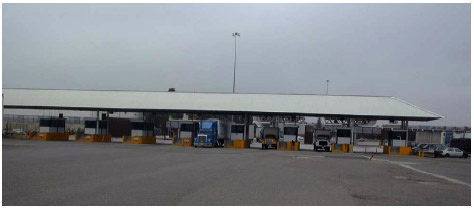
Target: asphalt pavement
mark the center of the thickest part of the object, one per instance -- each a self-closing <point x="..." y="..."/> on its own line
<point x="71" y="173"/>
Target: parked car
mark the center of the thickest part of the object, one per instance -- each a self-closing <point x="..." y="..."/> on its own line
<point x="431" y="148"/>
<point x="453" y="152"/>
<point x="19" y="132"/>
<point x="419" y="147"/>
<point x="439" y="150"/>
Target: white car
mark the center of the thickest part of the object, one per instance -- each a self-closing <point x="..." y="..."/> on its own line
<point x="452" y="152"/>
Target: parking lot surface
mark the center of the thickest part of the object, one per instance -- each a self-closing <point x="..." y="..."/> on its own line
<point x="70" y="173"/>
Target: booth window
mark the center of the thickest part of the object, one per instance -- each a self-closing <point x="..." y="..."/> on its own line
<point x="291" y="131"/>
<point x="237" y="129"/>
<point x="90" y="124"/>
<point x="344" y="133"/>
<point x="187" y="127"/>
<point x="103" y="124"/>
<point x="45" y="123"/>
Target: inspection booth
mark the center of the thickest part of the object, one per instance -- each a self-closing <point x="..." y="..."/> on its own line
<point x="52" y="129"/>
<point x="237" y="137"/>
<point x="289" y="139"/>
<point x="397" y="143"/>
<point x="187" y="131"/>
<point x="96" y="131"/>
<point x="343" y="140"/>
<point x="183" y="132"/>
<point x="142" y="133"/>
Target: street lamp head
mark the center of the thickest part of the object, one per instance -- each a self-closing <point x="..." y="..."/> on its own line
<point x="236" y="34"/>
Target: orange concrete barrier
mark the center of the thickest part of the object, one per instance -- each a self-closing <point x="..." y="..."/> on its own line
<point x="187" y="142"/>
<point x="97" y="138"/>
<point x="241" y="144"/>
<point x="141" y="140"/>
<point x="52" y="137"/>
<point x="340" y="148"/>
<point x="290" y="146"/>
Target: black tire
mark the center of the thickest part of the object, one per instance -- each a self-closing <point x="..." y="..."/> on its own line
<point x="263" y="146"/>
<point x="195" y="146"/>
<point x="447" y="155"/>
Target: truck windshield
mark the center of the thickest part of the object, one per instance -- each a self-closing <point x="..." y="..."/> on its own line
<point x="270" y="136"/>
<point x="322" y="137"/>
<point x="206" y="131"/>
<point x="206" y="125"/>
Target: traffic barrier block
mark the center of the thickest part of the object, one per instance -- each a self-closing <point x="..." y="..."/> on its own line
<point x="405" y="150"/>
<point x="288" y="146"/>
<point x="72" y="137"/>
<point x="187" y="142"/>
<point x="241" y="144"/>
<point x="139" y="140"/>
<point x="340" y="148"/>
<point x="52" y="137"/>
<point x="176" y="142"/>
<point x="398" y="150"/>
<point x="97" y="138"/>
<point x="33" y="135"/>
<point x="229" y="144"/>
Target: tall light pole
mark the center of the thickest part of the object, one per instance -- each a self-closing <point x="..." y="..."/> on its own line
<point x="327" y="87"/>
<point x="235" y="35"/>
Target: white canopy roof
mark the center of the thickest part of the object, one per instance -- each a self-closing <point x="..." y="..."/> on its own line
<point x="373" y="107"/>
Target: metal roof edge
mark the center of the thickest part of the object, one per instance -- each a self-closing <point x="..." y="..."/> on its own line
<point x="426" y="110"/>
<point x="186" y="92"/>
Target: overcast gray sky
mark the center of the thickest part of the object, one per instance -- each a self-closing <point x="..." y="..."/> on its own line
<point x="417" y="52"/>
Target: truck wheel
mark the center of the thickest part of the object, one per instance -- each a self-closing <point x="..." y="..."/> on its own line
<point x="263" y="147"/>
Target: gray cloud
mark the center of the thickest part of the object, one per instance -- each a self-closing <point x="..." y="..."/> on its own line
<point x="417" y="52"/>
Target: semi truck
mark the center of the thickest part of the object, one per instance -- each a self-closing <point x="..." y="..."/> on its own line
<point x="321" y="140"/>
<point x="212" y="133"/>
<point x="269" y="137"/>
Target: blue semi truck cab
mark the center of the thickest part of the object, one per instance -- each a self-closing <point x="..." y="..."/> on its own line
<point x="212" y="133"/>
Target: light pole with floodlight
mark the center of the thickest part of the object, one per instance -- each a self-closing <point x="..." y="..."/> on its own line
<point x="235" y="35"/>
<point x="327" y="87"/>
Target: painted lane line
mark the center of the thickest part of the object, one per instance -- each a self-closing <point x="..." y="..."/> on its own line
<point x="404" y="164"/>
<point x="437" y="175"/>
